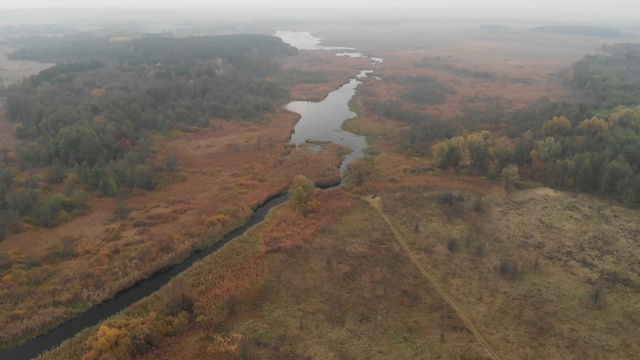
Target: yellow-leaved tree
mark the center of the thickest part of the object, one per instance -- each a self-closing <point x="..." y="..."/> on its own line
<point x="303" y="195"/>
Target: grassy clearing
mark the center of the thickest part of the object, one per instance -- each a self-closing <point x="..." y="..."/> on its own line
<point x="530" y="289"/>
<point x="337" y="285"/>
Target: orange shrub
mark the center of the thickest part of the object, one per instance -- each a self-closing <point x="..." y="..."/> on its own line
<point x="217" y="219"/>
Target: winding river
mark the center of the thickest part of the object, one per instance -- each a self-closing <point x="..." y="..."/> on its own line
<point x="319" y="121"/>
<point x="323" y="120"/>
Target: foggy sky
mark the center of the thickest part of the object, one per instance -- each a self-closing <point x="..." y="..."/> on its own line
<point x="570" y="8"/>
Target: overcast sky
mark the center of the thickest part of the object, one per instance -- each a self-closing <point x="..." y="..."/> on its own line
<point x="608" y="8"/>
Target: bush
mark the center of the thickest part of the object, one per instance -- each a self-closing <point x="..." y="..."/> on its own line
<point x="244" y="349"/>
<point x="31" y="261"/>
<point x="3" y="228"/>
<point x="57" y="172"/>
<point x="477" y="204"/>
<point x="453" y="245"/>
<point x="510" y="268"/>
<point x="125" y="337"/>
<point x="536" y="263"/>
<point x="122" y="209"/>
<point x="66" y="249"/>
<point x="177" y="298"/>
<point x="5" y="262"/>
<point x="481" y="249"/>
<point x="447" y="197"/>
<point x="231" y="304"/>
<point x="303" y="195"/>
<point x="468" y="239"/>
<point x="171" y="163"/>
<point x="598" y="294"/>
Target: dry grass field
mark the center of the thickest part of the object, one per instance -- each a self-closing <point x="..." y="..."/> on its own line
<point x="526" y="269"/>
<point x="523" y="63"/>
<point x="338" y="285"/>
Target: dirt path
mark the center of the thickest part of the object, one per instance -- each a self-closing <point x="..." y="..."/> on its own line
<point x="375" y="203"/>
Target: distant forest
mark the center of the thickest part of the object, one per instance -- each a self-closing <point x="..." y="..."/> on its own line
<point x="580" y="30"/>
<point x="92" y="113"/>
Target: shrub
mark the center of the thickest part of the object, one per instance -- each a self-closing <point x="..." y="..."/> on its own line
<point x="244" y="349"/>
<point x="598" y="294"/>
<point x="536" y="263"/>
<point x="468" y="239"/>
<point x="481" y="249"/>
<point x="447" y="197"/>
<point x="177" y="298"/>
<point x="57" y="172"/>
<point x="66" y="249"/>
<point x="165" y="244"/>
<point x="125" y="337"/>
<point x="31" y="260"/>
<point x="3" y="228"/>
<point x="231" y="304"/>
<point x="510" y="268"/>
<point x="477" y="204"/>
<point x="453" y="245"/>
<point x="171" y="163"/>
<point x="5" y="262"/>
<point x="122" y="209"/>
<point x="303" y="195"/>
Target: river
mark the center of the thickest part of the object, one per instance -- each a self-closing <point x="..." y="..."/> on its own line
<point x="319" y="121"/>
<point x="323" y="120"/>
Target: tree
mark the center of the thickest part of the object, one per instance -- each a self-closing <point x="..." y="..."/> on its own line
<point x="357" y="173"/>
<point x="303" y="195"/>
<point x="585" y="180"/>
<point x="548" y="149"/>
<point x="593" y="127"/>
<point x="559" y="125"/>
<point x="615" y="176"/>
<point x="511" y="175"/>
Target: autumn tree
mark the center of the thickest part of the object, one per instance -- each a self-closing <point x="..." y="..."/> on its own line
<point x="303" y="195"/>
<point x="479" y="152"/>
<point x="510" y="174"/>
<point x="593" y="127"/>
<point x="358" y="171"/>
<point x="559" y="125"/>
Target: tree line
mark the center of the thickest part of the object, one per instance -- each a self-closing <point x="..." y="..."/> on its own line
<point x="599" y="155"/>
<point x="588" y="143"/>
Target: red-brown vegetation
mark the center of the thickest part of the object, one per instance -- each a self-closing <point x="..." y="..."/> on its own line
<point x="224" y="172"/>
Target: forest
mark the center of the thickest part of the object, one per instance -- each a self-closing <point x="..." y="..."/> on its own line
<point x="590" y="144"/>
<point x="91" y="115"/>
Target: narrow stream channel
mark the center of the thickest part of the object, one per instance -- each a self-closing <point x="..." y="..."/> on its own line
<point x="125" y="298"/>
<point x="319" y="121"/>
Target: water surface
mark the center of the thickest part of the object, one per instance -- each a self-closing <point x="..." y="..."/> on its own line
<point x="323" y="120"/>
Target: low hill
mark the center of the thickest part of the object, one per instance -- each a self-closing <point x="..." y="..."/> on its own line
<point x="579" y="30"/>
